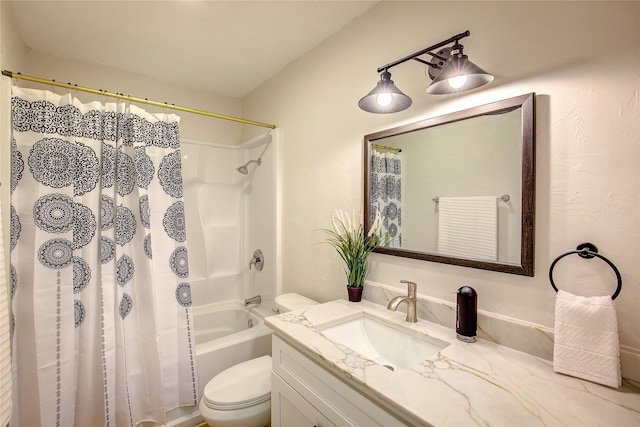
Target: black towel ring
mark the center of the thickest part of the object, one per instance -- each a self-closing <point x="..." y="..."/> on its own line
<point x="587" y="251"/>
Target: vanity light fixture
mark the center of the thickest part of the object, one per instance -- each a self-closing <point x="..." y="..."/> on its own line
<point x="452" y="72"/>
<point x="385" y="97"/>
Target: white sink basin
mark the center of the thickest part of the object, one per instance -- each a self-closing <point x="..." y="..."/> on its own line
<point x="387" y="344"/>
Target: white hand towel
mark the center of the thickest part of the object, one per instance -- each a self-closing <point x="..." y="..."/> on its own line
<point x="468" y="227"/>
<point x="586" y="339"/>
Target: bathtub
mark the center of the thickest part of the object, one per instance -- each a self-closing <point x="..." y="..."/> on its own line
<point x="214" y="322"/>
<point x="226" y="334"/>
<point x="224" y="338"/>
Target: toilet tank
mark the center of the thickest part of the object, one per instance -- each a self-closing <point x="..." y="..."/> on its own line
<point x="292" y="301"/>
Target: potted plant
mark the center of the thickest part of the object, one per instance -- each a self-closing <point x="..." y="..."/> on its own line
<point x="348" y="237"/>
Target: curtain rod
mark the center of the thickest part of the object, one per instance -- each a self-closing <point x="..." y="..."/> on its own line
<point x="134" y="99"/>
<point x="384" y="147"/>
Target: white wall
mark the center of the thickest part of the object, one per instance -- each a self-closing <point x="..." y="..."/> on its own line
<point x="582" y="61"/>
<point x="12" y="56"/>
<point x="192" y="126"/>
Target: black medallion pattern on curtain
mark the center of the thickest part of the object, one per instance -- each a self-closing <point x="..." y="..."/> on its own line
<point x="75" y="153"/>
<point x="56" y="254"/>
<point x="144" y="167"/>
<point x="54" y="213"/>
<point x="69" y="121"/>
<point x="16" y="227"/>
<point x="147" y="246"/>
<point x="59" y="163"/>
<point x="17" y="165"/>
<point x="386" y="193"/>
<point x="125" y="174"/>
<point x="179" y="262"/>
<point x="145" y="212"/>
<point x="124" y="270"/>
<point x="81" y="274"/>
<point x="183" y="294"/>
<point x="174" y="223"/>
<point x="170" y="174"/>
<point x="107" y="249"/>
<point x="107" y="212"/>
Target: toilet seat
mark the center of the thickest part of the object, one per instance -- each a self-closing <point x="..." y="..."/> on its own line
<point x="240" y="386"/>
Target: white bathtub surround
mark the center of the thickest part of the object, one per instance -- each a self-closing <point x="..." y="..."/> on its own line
<point x="463" y="384"/>
<point x="229" y="215"/>
<point x="530" y="338"/>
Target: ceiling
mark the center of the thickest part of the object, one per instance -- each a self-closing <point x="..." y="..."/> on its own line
<point x="227" y="47"/>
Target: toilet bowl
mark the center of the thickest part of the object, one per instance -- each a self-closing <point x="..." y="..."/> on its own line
<point x="240" y="396"/>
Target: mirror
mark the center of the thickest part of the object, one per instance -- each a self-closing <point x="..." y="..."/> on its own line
<point x="459" y="188"/>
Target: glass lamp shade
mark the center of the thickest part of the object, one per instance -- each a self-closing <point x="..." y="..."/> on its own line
<point x="385" y="97"/>
<point x="456" y="67"/>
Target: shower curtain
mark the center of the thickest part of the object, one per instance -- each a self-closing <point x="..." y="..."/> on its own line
<point x="386" y="192"/>
<point x="99" y="265"/>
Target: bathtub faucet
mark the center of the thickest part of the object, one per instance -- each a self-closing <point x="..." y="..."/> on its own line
<point x="257" y="260"/>
<point x="253" y="300"/>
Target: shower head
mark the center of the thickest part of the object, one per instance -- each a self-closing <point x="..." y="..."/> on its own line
<point x="244" y="170"/>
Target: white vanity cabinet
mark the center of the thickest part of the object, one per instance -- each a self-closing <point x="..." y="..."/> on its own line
<point x="289" y="408"/>
<point x="305" y="394"/>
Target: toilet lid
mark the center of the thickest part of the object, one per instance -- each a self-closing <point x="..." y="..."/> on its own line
<point x="240" y="386"/>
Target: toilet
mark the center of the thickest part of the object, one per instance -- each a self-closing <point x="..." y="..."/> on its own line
<point x="293" y="301"/>
<point x="240" y="396"/>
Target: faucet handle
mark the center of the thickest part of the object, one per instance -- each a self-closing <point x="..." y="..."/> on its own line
<point x="411" y="288"/>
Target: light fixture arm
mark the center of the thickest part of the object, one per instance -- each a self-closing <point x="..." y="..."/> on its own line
<point x="428" y="50"/>
<point x="429" y="63"/>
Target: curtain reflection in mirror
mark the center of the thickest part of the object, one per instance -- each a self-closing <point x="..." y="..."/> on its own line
<point x="386" y="190"/>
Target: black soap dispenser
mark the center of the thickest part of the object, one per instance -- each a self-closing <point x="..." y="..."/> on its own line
<point x="466" y="314"/>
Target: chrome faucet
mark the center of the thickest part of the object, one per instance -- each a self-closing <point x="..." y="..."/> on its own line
<point x="410" y="299"/>
<point x="253" y="300"/>
<point x="257" y="260"/>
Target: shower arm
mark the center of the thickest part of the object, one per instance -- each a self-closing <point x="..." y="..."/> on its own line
<point x="259" y="162"/>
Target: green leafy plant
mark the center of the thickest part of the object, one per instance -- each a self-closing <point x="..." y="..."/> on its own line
<point x="348" y="237"/>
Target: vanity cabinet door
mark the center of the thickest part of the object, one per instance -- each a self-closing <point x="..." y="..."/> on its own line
<point x="290" y="409"/>
<point x="338" y="403"/>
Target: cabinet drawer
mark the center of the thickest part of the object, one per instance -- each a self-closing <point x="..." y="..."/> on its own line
<point x="341" y="404"/>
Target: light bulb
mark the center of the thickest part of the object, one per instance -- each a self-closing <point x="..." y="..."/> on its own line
<point x="384" y="99"/>
<point x="458" y="81"/>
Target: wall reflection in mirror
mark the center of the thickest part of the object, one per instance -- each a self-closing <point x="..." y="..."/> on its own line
<point x="458" y="188"/>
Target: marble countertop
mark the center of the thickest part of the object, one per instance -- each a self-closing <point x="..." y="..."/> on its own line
<point x="480" y="383"/>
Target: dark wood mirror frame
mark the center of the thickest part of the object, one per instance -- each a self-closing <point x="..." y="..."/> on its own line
<point x="526" y="102"/>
